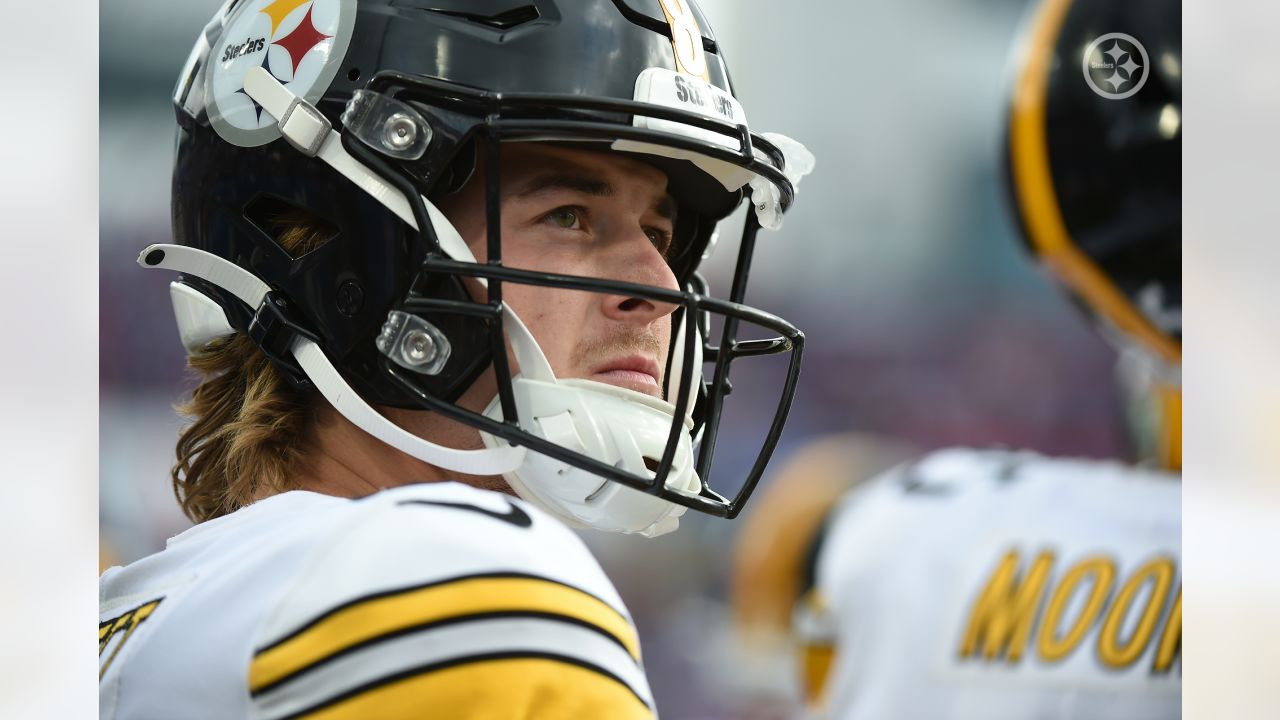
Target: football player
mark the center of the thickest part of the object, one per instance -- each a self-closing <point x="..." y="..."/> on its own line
<point x="1002" y="584"/>
<point x="438" y="272"/>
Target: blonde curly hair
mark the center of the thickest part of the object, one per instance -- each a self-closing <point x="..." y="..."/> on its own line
<point x="249" y="426"/>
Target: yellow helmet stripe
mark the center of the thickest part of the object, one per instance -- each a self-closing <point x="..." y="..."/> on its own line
<point x="1033" y="186"/>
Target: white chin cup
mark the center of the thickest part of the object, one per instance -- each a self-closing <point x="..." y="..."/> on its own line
<point x="614" y="425"/>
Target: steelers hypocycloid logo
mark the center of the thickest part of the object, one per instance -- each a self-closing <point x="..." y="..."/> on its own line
<point x="1116" y="66"/>
<point x="300" y="42"/>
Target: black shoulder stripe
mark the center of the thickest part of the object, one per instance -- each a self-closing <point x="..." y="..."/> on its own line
<point x="454" y="662"/>
<point x="422" y="586"/>
<point x="424" y="627"/>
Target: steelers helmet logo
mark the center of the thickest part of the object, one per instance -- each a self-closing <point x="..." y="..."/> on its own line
<point x="300" y="42"/>
<point x="1116" y="66"/>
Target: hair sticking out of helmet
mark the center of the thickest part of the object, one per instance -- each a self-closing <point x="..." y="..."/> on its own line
<point x="248" y="422"/>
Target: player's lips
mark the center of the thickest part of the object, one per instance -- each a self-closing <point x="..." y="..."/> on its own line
<point x="634" y="372"/>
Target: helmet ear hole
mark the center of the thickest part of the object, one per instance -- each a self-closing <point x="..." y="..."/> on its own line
<point x="296" y="230"/>
<point x="456" y="174"/>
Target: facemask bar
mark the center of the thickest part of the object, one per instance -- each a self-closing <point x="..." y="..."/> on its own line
<point x="790" y="339"/>
<point x="696" y="307"/>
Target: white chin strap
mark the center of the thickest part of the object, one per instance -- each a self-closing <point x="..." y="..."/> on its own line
<point x="619" y="427"/>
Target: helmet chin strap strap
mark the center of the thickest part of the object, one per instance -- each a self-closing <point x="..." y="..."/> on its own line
<point x="253" y="291"/>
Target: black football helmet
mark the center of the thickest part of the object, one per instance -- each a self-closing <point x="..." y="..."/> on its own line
<point x="1094" y="168"/>
<point x="361" y="113"/>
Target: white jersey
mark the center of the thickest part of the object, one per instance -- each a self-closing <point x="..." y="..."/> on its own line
<point x="430" y="600"/>
<point x="989" y="584"/>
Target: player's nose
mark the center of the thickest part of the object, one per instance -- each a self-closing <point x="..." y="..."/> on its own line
<point x="639" y="261"/>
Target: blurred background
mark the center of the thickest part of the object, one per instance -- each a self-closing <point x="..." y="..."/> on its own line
<point x="925" y="322"/>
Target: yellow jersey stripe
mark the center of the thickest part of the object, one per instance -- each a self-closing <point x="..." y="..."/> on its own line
<point x="489" y="687"/>
<point x="128" y="622"/>
<point x="390" y="615"/>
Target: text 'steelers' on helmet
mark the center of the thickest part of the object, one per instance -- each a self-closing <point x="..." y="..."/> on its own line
<point x="360" y="115"/>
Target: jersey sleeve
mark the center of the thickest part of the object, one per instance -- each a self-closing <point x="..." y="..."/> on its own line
<point x="448" y="601"/>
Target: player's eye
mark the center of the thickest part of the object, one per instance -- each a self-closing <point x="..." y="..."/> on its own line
<point x="660" y="238"/>
<point x="565" y="217"/>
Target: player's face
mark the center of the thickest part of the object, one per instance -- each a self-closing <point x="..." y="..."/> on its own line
<point x="593" y="214"/>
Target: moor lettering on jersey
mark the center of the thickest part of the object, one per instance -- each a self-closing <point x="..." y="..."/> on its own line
<point x="114" y="633"/>
<point x="1023" y="610"/>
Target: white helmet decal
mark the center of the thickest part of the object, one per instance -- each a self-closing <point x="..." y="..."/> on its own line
<point x="302" y="43"/>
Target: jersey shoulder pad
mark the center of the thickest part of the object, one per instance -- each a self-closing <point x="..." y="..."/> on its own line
<point x="954" y="470"/>
<point x="971" y="474"/>
<point x="929" y="506"/>
<point x="934" y="476"/>
<point x="906" y="505"/>
<point x="442" y="595"/>
<point x="952" y="479"/>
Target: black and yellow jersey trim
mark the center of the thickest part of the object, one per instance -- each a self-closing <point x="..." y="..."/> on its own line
<point x="473" y="680"/>
<point x="455" y="620"/>
<point x="121" y="626"/>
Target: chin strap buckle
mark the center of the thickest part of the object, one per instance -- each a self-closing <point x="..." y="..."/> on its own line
<point x="304" y="127"/>
<point x="274" y="329"/>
